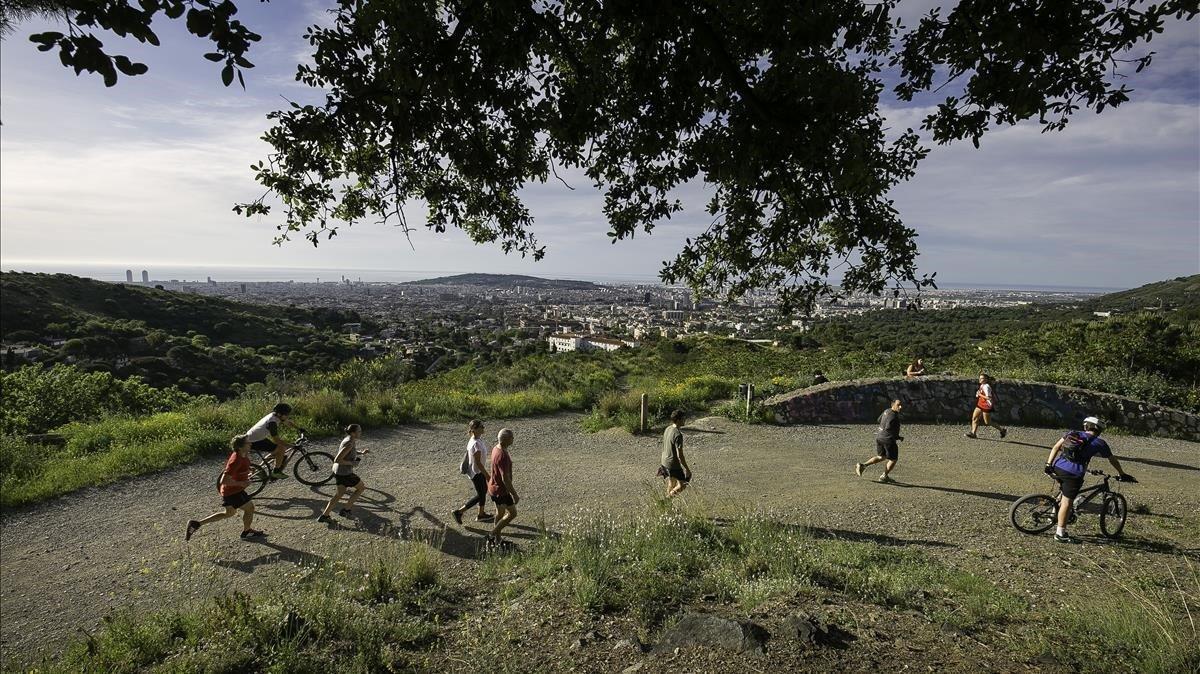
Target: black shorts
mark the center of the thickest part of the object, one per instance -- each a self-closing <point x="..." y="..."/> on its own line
<point x="1070" y="484"/>
<point x="887" y="449"/>
<point x="676" y="473"/>
<point x="237" y="500"/>
<point x="503" y="500"/>
<point x="264" y="445"/>
<point x="350" y="480"/>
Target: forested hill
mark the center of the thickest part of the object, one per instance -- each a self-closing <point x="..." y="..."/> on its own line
<point x="200" y="344"/>
<point x="506" y="281"/>
<point x="1181" y="294"/>
<point x="36" y="306"/>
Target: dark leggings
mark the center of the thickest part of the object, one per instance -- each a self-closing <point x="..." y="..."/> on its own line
<point x="480" y="492"/>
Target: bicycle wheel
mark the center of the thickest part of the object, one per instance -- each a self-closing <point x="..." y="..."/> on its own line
<point x="1034" y="513"/>
<point x="314" y="468"/>
<point x="260" y="475"/>
<point x="1112" y="515"/>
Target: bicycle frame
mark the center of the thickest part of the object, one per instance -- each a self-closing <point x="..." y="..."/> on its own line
<point x="1091" y="492"/>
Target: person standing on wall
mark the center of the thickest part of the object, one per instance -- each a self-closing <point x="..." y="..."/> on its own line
<point x="985" y="406"/>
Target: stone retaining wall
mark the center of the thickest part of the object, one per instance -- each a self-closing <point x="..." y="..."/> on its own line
<point x="951" y="399"/>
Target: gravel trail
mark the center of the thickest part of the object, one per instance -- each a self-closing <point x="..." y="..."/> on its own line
<point x="67" y="563"/>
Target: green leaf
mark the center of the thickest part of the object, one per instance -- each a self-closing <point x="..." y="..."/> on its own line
<point x="214" y="56"/>
<point x="227" y="74"/>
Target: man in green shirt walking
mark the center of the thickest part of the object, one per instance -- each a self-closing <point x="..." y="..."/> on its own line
<point x="674" y="466"/>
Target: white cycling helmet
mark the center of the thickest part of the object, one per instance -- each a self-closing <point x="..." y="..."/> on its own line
<point x="1095" y="421"/>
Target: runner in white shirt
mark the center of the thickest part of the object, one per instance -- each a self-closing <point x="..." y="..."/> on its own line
<point x="264" y="436"/>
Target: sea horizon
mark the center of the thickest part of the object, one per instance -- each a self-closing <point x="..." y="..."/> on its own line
<point x="242" y="274"/>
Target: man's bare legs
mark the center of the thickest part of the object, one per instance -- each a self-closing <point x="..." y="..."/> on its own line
<point x="674" y="487"/>
<point x="280" y="455"/>
<point x="230" y="511"/>
<point x="887" y="467"/>
<point x="504" y="515"/>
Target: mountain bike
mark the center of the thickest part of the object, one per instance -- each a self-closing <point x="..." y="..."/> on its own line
<point x="311" y="468"/>
<point x="1035" y="513"/>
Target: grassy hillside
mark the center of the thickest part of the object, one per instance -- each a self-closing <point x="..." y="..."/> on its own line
<point x="56" y="304"/>
<point x="1181" y="294"/>
<point x="203" y="345"/>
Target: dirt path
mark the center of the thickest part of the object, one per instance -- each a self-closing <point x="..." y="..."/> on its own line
<point x="66" y="563"/>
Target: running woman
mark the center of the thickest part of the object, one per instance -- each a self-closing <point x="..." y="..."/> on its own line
<point x="500" y="484"/>
<point x="344" y="464"/>
<point x="985" y="404"/>
<point x="473" y="467"/>
<point x="673" y="465"/>
<point x="234" y="479"/>
<point x="264" y="436"/>
<point x="886" y="439"/>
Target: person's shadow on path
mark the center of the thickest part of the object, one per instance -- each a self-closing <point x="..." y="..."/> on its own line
<point x="282" y="553"/>
<point x="1008" y="498"/>
<point x="1015" y="442"/>
<point x="1158" y="463"/>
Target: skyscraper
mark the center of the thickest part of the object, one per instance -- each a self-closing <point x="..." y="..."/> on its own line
<point x="129" y="276"/>
<point x="145" y="276"/>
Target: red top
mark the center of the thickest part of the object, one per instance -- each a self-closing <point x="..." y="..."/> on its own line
<point x="501" y="468"/>
<point x="237" y="468"/>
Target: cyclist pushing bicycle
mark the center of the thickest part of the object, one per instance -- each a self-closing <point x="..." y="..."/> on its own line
<point x="264" y="436"/>
<point x="1068" y="462"/>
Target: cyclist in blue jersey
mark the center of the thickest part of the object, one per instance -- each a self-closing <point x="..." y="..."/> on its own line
<point x="1068" y="463"/>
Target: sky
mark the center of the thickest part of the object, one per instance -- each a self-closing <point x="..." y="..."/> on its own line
<point x="147" y="172"/>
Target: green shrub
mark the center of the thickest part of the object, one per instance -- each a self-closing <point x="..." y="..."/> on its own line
<point x="36" y="398"/>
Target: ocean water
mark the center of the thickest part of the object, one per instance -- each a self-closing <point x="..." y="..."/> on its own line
<point x="225" y="273"/>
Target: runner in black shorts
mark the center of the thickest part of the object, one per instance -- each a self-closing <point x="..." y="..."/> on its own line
<point x="344" y="464"/>
<point x="234" y="478"/>
<point x="887" y="440"/>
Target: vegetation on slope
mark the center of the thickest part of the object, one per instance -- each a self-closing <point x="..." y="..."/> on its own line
<point x="202" y="345"/>
<point x="398" y="607"/>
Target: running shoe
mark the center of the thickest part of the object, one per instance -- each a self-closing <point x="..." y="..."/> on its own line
<point x="1064" y="538"/>
<point x="969" y="435"/>
<point x="325" y="519"/>
<point x="457" y="516"/>
<point x="192" y="527"/>
<point x="1003" y="432"/>
<point x="278" y="475"/>
<point x="858" y="467"/>
<point x="253" y="533"/>
<point x="886" y="479"/>
<point x="486" y="517"/>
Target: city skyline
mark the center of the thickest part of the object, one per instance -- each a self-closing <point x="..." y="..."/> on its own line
<point x="151" y="168"/>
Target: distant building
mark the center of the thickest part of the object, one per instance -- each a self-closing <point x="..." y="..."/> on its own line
<point x="352" y="328"/>
<point x="566" y="342"/>
<point x="129" y="276"/>
<point x="574" y="342"/>
<point x="145" y="276"/>
<point x="672" y="315"/>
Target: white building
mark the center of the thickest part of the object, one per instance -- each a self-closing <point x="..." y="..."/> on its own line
<point x="566" y="342"/>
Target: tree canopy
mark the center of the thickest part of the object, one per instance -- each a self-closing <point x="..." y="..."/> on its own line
<point x="774" y="105"/>
<point x="80" y="49"/>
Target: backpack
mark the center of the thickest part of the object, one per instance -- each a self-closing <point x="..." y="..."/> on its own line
<point x="1073" y="448"/>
